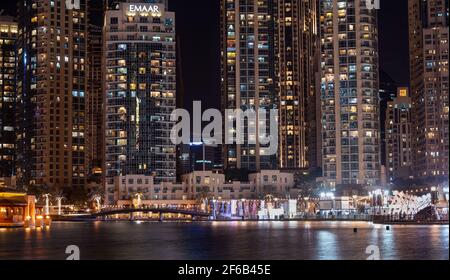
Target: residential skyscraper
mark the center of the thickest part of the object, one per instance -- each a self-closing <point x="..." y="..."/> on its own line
<point x="314" y="108"/>
<point x="349" y="94"/>
<point x="8" y="64"/>
<point x="398" y="127"/>
<point x="388" y="92"/>
<point x="428" y="36"/>
<point x="140" y="88"/>
<point x="94" y="110"/>
<point x="52" y="94"/>
<point x="198" y="157"/>
<point x="248" y="74"/>
<point x="295" y="46"/>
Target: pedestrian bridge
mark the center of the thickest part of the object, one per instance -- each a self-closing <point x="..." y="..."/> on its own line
<point x="160" y="210"/>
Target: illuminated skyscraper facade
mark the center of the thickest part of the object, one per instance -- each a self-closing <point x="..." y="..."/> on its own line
<point x="8" y="64"/>
<point x="52" y="94"/>
<point x="398" y="129"/>
<point x="248" y="73"/>
<point x="94" y="108"/>
<point x="140" y="88"/>
<point x="428" y="36"/>
<point x="349" y="94"/>
<point x="295" y="46"/>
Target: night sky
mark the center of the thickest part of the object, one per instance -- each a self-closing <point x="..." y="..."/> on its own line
<point x="393" y="40"/>
<point x="197" y="24"/>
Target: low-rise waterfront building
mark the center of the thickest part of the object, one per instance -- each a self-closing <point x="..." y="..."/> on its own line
<point x="199" y="184"/>
<point x="272" y="182"/>
<point x="18" y="209"/>
<point x="129" y="186"/>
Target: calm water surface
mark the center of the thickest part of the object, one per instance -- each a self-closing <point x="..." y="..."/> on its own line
<point x="225" y="240"/>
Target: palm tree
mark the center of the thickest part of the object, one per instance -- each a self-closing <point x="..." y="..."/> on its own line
<point x="96" y="195"/>
<point x="59" y="197"/>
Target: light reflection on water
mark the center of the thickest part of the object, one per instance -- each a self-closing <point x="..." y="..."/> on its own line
<point x="225" y="240"/>
<point x="327" y="246"/>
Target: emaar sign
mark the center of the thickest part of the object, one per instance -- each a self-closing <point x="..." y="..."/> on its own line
<point x="142" y="8"/>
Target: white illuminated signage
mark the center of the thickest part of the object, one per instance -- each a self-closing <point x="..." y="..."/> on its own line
<point x="143" y="8"/>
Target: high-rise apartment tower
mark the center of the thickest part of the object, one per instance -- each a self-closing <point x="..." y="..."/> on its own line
<point x="349" y="94"/>
<point x="52" y="88"/>
<point x="428" y="42"/>
<point x="140" y="88"/>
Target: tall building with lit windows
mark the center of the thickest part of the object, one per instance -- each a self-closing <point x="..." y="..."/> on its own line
<point x="51" y="101"/>
<point x="94" y="109"/>
<point x="140" y="87"/>
<point x="349" y="94"/>
<point x="295" y="44"/>
<point x="398" y="131"/>
<point x="8" y="63"/>
<point x="248" y="74"/>
<point x="428" y="36"/>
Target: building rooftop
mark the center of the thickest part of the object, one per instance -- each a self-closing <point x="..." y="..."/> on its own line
<point x="6" y="190"/>
<point x="12" y="197"/>
<point x="13" y="201"/>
